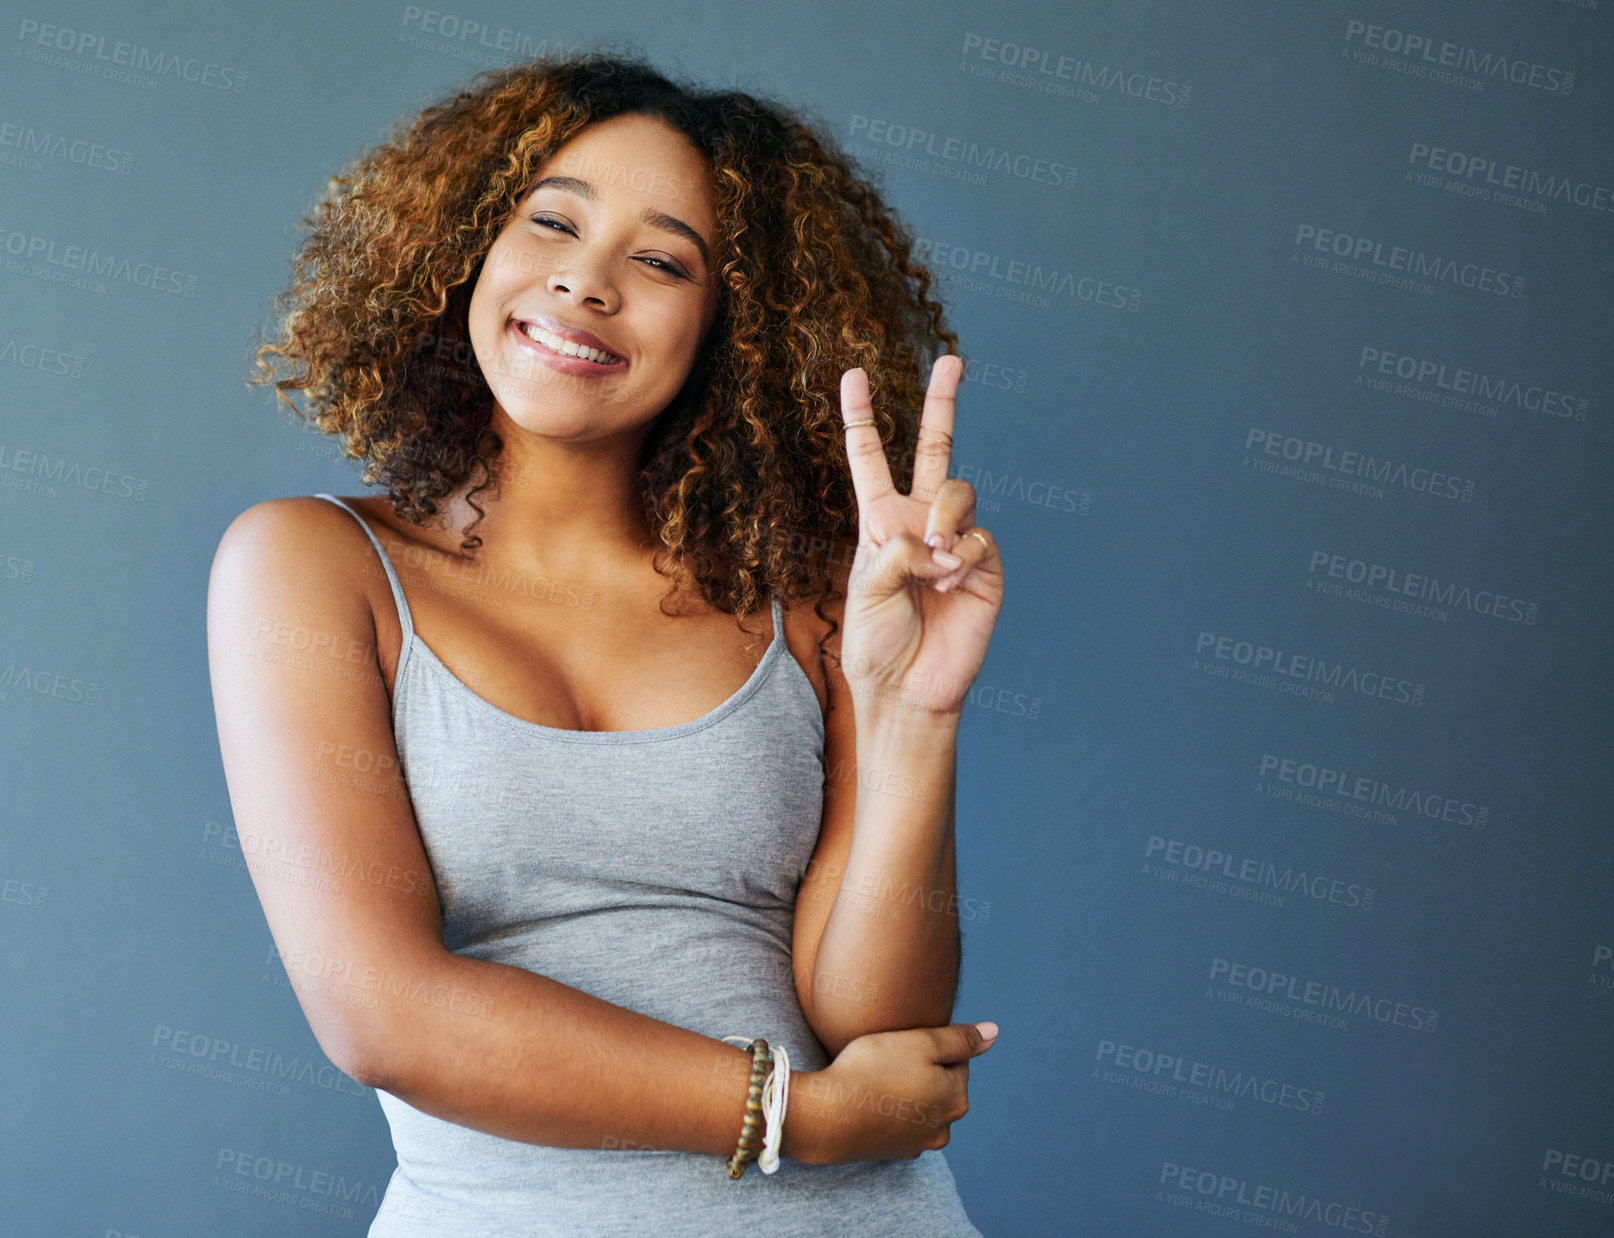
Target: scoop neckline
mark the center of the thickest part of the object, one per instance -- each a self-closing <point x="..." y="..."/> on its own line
<point x="413" y="640"/>
<point x="770" y="656"/>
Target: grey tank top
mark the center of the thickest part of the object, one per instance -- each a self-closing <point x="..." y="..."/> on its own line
<point x="657" y="870"/>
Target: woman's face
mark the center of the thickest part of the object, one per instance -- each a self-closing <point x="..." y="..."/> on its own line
<point x="612" y="250"/>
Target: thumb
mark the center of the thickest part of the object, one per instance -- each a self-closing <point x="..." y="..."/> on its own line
<point x="959" y="1042"/>
<point x="895" y="562"/>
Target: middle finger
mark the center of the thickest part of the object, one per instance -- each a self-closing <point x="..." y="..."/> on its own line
<point x="934" y="450"/>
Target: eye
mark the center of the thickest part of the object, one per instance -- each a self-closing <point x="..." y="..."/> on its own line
<point x="662" y="264"/>
<point x="549" y="222"/>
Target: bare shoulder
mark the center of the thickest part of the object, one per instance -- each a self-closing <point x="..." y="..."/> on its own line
<point x="300" y="543"/>
<point x="290" y="530"/>
<point x="295" y="572"/>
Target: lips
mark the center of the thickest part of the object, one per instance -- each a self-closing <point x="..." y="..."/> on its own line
<point x="568" y="341"/>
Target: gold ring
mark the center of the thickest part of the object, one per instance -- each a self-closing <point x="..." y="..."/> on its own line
<point x="980" y="537"/>
<point x="867" y="421"/>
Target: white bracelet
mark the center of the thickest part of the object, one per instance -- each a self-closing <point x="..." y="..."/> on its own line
<point x="775" y="1096"/>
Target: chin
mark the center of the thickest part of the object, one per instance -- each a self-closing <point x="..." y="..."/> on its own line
<point x="565" y="419"/>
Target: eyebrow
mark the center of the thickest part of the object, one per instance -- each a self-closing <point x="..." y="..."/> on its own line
<point x="650" y="215"/>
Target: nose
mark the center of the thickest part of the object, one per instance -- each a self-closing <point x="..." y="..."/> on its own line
<point x="585" y="281"/>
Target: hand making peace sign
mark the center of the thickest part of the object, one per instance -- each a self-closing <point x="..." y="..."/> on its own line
<point x="916" y="622"/>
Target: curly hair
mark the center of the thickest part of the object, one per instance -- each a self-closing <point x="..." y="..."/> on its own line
<point x="743" y="477"/>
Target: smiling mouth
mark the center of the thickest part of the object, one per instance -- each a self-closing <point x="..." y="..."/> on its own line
<point x="566" y="348"/>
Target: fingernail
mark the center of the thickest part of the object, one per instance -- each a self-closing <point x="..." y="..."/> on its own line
<point x="946" y="558"/>
<point x="989" y="1031"/>
<point x="934" y="540"/>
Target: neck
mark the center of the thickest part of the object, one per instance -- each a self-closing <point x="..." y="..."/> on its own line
<point x="564" y="510"/>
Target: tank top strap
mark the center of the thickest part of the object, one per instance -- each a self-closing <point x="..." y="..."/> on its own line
<point x="778" y="618"/>
<point x="398" y="601"/>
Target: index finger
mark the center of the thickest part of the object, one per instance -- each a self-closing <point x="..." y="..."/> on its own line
<point x="865" y="453"/>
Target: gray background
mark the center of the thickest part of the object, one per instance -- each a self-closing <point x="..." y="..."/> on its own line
<point x="1147" y="1080"/>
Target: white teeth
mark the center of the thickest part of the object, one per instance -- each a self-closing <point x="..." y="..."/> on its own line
<point x="555" y="344"/>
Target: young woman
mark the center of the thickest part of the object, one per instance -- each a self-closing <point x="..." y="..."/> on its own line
<point x="533" y="828"/>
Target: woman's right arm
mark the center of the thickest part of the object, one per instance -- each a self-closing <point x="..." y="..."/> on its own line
<point x="330" y="839"/>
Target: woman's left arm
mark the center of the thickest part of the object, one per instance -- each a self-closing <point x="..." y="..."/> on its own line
<point x="876" y="943"/>
<point x="876" y="929"/>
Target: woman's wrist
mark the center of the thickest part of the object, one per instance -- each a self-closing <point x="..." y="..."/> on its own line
<point x="810" y="1125"/>
<point x="892" y="715"/>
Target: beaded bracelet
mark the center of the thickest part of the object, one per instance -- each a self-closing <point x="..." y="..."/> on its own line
<point x="761" y="1060"/>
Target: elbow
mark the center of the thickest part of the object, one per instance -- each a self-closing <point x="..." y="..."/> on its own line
<point x="377" y="1042"/>
<point x="362" y="1053"/>
<point x="835" y="1033"/>
<point x="833" y="1043"/>
<point x="389" y="1045"/>
<point x="368" y="1070"/>
<point x="832" y="1038"/>
<point x="838" y="1024"/>
<point x="373" y="1066"/>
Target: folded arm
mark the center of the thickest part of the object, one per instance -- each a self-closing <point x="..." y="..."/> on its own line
<point x="343" y="878"/>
